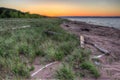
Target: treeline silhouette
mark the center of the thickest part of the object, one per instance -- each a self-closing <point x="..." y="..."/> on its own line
<point x="12" y="13"/>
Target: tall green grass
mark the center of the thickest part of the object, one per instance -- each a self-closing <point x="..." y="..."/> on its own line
<point x="65" y="73"/>
<point x="19" y="47"/>
<point x="79" y="61"/>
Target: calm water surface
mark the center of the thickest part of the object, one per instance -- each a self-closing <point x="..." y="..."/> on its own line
<point x="111" y="22"/>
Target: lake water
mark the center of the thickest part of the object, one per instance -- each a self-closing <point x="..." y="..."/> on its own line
<point x="111" y="22"/>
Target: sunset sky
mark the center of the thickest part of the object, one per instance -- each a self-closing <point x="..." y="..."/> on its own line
<point x="66" y="7"/>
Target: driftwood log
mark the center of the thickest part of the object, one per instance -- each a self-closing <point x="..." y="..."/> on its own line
<point x="82" y="42"/>
<point x="15" y="28"/>
<point x="101" y="49"/>
<point x="88" y="41"/>
<point x="51" y="33"/>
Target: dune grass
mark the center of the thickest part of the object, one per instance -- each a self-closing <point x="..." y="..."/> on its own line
<point x="79" y="64"/>
<point x="19" y="47"/>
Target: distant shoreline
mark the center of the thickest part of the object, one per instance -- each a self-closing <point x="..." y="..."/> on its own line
<point x="110" y="22"/>
<point x="89" y="16"/>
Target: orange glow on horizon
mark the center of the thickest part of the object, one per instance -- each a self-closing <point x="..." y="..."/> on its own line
<point x="58" y="10"/>
<point x="73" y="8"/>
<point x="73" y="13"/>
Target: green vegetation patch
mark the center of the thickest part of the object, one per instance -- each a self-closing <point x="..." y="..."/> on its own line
<point x="80" y="63"/>
<point x="65" y="73"/>
<point x="19" y="47"/>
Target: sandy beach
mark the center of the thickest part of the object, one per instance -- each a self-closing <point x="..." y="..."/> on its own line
<point x="107" y="38"/>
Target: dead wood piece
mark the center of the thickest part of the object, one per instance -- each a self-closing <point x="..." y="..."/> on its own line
<point x="51" y="33"/>
<point x="82" y="42"/>
<point x="67" y="25"/>
<point x="27" y="26"/>
<point x="15" y="28"/>
<point x="97" y="57"/>
<point x="42" y="68"/>
<point x="85" y="29"/>
<point x="88" y="41"/>
<point x="101" y="49"/>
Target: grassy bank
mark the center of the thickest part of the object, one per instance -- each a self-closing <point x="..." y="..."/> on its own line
<point x="20" y="46"/>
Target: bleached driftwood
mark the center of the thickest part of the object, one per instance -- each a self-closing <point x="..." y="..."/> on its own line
<point x="88" y="41"/>
<point x="82" y="41"/>
<point x="21" y="27"/>
<point x="42" y="68"/>
<point x="101" y="49"/>
<point x="97" y="57"/>
<point x="14" y="28"/>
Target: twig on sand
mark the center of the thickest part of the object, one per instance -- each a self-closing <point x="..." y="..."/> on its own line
<point x="42" y="68"/>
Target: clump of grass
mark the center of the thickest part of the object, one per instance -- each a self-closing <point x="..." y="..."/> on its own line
<point x="1" y="52"/>
<point x="20" y="69"/>
<point x="39" y="52"/>
<point x="67" y="47"/>
<point x="90" y="67"/>
<point x="78" y="56"/>
<point x="59" y="55"/>
<point x="54" y="54"/>
<point x="31" y="68"/>
<point x="79" y="60"/>
<point x="25" y="49"/>
<point x="65" y="73"/>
